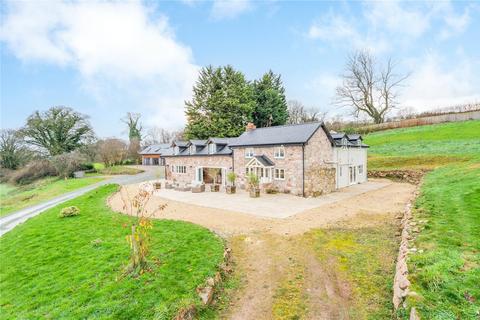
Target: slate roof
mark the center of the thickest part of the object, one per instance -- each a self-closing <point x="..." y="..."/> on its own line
<point x="163" y="148"/>
<point x="264" y="160"/>
<point x="223" y="141"/>
<point x="198" y="142"/>
<point x="182" y="144"/>
<point x="288" y="134"/>
<point x="353" y="140"/>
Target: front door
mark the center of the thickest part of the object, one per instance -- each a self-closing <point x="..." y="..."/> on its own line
<point x="199" y="175"/>
<point x="353" y="174"/>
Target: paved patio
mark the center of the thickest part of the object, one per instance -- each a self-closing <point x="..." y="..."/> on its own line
<point x="268" y="205"/>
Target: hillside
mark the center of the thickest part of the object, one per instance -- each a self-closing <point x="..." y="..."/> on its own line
<point x="424" y="147"/>
<point x="444" y="268"/>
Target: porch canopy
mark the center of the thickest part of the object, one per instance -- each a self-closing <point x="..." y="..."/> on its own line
<point x="262" y="167"/>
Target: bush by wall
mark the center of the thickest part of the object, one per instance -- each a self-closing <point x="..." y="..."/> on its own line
<point x="35" y="170"/>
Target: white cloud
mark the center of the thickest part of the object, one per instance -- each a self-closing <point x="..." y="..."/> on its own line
<point x="393" y="17"/>
<point x="340" y="30"/>
<point x="435" y="83"/>
<point x="228" y="9"/>
<point x="383" y="26"/>
<point x="119" y="48"/>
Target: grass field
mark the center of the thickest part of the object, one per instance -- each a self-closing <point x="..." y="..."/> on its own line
<point x="70" y="267"/>
<point x="14" y="198"/>
<point x="424" y="147"/>
<point x="114" y="170"/>
<point x="445" y="271"/>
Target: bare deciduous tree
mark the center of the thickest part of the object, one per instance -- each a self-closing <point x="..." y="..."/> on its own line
<point x="369" y="87"/>
<point x="157" y="135"/>
<point x="297" y="113"/>
<point x="112" y="151"/>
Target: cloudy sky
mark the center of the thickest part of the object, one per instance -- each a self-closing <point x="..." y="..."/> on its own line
<point x="105" y="58"/>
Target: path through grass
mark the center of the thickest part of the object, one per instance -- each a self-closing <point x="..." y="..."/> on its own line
<point x="69" y="267"/>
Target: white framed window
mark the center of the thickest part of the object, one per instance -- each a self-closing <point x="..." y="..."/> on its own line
<point x="279" y="152"/>
<point x="279" y="174"/>
<point x="360" y="169"/>
<point x="180" y="169"/>
<point x="211" y="148"/>
<point x="249" y="153"/>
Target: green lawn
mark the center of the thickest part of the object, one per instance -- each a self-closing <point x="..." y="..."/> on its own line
<point x="52" y="267"/>
<point x="15" y="198"/>
<point x="447" y="273"/>
<point x="424" y="147"/>
<point x="114" y="170"/>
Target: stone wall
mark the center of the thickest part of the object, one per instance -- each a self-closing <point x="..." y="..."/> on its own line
<point x="320" y="174"/>
<point x="401" y="284"/>
<point x="319" y="180"/>
<point x="192" y="162"/>
<point x="291" y="163"/>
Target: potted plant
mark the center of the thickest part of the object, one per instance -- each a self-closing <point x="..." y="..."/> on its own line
<point x="231" y="177"/>
<point x="157" y="184"/>
<point x="214" y="187"/>
<point x="253" y="184"/>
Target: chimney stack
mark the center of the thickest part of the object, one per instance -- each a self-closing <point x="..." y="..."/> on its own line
<point x="250" y="127"/>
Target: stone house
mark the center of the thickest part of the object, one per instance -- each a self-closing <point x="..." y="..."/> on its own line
<point x="304" y="159"/>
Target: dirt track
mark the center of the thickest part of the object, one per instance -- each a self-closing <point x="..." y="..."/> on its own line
<point x="268" y="251"/>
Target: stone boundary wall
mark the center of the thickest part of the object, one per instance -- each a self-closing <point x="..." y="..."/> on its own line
<point x="401" y="284"/>
<point x="206" y="291"/>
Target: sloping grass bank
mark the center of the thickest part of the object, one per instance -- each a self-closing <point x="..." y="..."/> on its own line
<point x="425" y="147"/>
<point x="69" y="267"/>
<point x="15" y="198"/>
<point x="445" y="271"/>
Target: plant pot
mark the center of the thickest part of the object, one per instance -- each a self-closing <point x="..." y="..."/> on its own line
<point x="214" y="187"/>
<point x="157" y="185"/>
<point x="198" y="189"/>
<point x="254" y="192"/>
<point x="231" y="189"/>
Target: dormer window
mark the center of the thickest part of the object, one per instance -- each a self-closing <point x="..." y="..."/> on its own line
<point x="211" y="148"/>
<point x="279" y="152"/>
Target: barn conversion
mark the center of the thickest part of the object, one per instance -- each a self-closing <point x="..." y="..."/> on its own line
<point x="304" y="159"/>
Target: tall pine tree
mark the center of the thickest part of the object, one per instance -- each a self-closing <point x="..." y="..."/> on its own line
<point x="221" y="106"/>
<point x="270" y="103"/>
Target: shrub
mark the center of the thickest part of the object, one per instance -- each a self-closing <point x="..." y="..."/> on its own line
<point x="69" y="212"/>
<point x="231" y="177"/>
<point x="35" y="170"/>
<point x="271" y="190"/>
<point x="5" y="175"/>
<point x="253" y="180"/>
<point x="66" y="164"/>
<point x="86" y="166"/>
